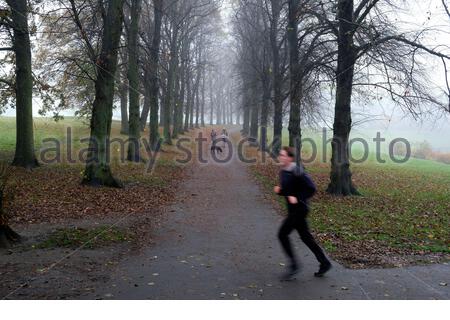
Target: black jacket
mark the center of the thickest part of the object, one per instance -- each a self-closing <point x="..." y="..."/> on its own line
<point x="297" y="183"/>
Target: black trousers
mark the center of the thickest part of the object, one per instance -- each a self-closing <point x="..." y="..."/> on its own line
<point x="296" y="220"/>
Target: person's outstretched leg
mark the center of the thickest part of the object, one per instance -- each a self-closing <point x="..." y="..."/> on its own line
<point x="283" y="235"/>
<point x="308" y="239"/>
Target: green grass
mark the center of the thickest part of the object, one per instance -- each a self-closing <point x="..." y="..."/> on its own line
<point x="44" y="128"/>
<point x="399" y="211"/>
<point x="87" y="238"/>
<point x="358" y="151"/>
<point x="403" y="206"/>
<point x="69" y="130"/>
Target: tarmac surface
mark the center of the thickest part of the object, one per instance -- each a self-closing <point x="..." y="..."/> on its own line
<point x="219" y="241"/>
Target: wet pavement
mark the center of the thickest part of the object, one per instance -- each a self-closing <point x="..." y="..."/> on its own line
<point x="219" y="241"/>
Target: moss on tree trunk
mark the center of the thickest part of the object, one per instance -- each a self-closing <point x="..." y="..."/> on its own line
<point x="24" y="155"/>
<point x="98" y="170"/>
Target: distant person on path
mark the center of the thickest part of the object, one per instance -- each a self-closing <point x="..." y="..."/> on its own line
<point x="224" y="132"/>
<point x="213" y="135"/>
<point x="297" y="187"/>
<point x="223" y="138"/>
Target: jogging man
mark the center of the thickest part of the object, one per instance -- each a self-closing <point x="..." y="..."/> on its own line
<point x="297" y="187"/>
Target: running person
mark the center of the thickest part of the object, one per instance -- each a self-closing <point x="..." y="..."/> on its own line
<point x="297" y="188"/>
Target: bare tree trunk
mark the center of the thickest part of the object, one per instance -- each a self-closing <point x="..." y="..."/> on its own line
<point x="170" y="86"/>
<point x="184" y="79"/>
<point x="154" y="76"/>
<point x="123" y="92"/>
<point x="197" y="90"/>
<point x="341" y="176"/>
<point x="224" y="107"/>
<point x="197" y="109"/>
<point x="246" y="108"/>
<point x="203" y="99"/>
<point x="191" y="106"/>
<point x="98" y="170"/>
<point x="254" y="120"/>
<point x="265" y="112"/>
<point x="147" y="102"/>
<point x="295" y="94"/>
<point x="277" y="79"/>
<point x="238" y="117"/>
<point x="188" y="100"/>
<point x="178" y="105"/>
<point x="219" y="107"/>
<point x="181" y="101"/>
<point x="134" y="129"/>
<point x="230" y="109"/>
<point x="211" y="101"/>
<point x="24" y="154"/>
<point x="191" y="111"/>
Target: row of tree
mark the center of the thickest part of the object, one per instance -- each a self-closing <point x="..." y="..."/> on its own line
<point x="290" y="54"/>
<point x="160" y="60"/>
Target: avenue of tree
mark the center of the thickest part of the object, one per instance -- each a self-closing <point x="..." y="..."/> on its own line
<point x="183" y="64"/>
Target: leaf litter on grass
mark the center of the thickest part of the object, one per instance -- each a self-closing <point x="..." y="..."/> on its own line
<point x="401" y="219"/>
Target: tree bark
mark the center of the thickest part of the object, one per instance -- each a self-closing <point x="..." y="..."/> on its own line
<point x="295" y="132"/>
<point x="170" y="86"/>
<point x="24" y="154"/>
<point x="183" y="82"/>
<point x="341" y="181"/>
<point x="134" y="130"/>
<point x="123" y="92"/>
<point x="211" y="101"/>
<point x="246" y="116"/>
<point x="202" y="120"/>
<point x="265" y="112"/>
<point x="197" y="108"/>
<point x="197" y="89"/>
<point x="155" y="139"/>
<point x="254" y="119"/>
<point x="191" y="106"/>
<point x="238" y="117"/>
<point x="219" y="107"/>
<point x="277" y="79"/>
<point x="224" y="107"/>
<point x="147" y="102"/>
<point x="188" y="100"/>
<point x="98" y="170"/>
<point x="178" y="105"/>
<point x="230" y="107"/>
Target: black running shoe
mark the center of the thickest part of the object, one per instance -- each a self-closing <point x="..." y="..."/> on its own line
<point x="324" y="268"/>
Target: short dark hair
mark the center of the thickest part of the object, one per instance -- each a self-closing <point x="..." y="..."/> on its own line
<point x="290" y="151"/>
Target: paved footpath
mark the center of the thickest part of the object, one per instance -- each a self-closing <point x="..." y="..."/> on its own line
<point x="219" y="241"/>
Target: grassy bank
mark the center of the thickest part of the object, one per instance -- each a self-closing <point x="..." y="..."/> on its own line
<point x="403" y="216"/>
<point x="53" y="193"/>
